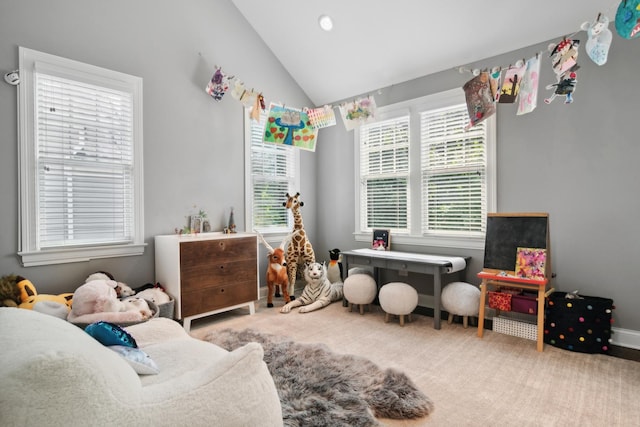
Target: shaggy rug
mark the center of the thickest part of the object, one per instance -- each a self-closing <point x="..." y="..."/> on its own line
<point x="320" y="388"/>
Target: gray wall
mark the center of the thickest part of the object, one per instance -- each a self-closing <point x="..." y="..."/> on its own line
<point x="576" y="162"/>
<point x="193" y="146"/>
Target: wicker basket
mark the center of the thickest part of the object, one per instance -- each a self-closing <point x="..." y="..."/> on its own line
<point x="516" y="328"/>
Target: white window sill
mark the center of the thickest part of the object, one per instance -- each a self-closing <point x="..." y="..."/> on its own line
<point x="80" y="254"/>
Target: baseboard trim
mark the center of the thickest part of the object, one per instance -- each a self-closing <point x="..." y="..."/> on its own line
<point x="627" y="338"/>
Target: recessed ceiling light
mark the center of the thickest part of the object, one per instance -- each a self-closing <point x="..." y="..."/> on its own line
<point x="325" y="22"/>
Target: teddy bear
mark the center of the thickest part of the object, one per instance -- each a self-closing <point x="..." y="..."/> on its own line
<point x="122" y="289"/>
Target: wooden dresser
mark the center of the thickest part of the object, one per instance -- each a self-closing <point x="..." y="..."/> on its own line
<point x="208" y="273"/>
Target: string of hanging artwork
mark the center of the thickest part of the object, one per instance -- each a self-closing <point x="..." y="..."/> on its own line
<point x="515" y="84"/>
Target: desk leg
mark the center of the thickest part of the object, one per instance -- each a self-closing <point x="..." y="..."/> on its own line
<point x="541" y="296"/>
<point x="483" y="301"/>
<point x="345" y="264"/>
<point x="437" y="285"/>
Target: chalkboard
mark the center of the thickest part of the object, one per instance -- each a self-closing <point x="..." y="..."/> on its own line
<point x="507" y="232"/>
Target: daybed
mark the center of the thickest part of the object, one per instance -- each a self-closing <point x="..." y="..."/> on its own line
<point x="53" y="373"/>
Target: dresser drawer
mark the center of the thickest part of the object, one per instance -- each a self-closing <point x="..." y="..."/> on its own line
<point x="198" y="253"/>
<point x="213" y="298"/>
<point x="217" y="273"/>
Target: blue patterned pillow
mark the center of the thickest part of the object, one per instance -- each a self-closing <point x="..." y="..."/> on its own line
<point x="138" y="359"/>
<point x="110" y="334"/>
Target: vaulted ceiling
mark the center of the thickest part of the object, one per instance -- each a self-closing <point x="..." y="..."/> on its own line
<point x="378" y="43"/>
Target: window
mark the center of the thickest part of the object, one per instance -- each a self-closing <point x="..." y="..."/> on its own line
<point x="80" y="132"/>
<point x="272" y="171"/>
<point x="425" y="177"/>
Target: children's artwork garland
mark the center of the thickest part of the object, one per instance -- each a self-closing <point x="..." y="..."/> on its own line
<point x="628" y="19"/>
<point x="321" y="117"/>
<point x="358" y="112"/>
<point x="289" y="126"/>
<point x="514" y="84"/>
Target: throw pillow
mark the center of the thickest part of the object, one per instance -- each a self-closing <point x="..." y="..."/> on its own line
<point x="138" y="359"/>
<point x="110" y="334"/>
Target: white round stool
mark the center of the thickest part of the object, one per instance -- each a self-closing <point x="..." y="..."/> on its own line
<point x="460" y="299"/>
<point x="399" y="299"/>
<point x="360" y="289"/>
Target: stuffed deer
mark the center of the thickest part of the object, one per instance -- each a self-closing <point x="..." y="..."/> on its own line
<point x="277" y="270"/>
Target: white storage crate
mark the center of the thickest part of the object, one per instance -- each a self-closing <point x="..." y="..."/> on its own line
<point x="516" y="328"/>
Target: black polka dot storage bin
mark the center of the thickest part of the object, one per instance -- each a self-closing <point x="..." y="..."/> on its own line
<point x="581" y="323"/>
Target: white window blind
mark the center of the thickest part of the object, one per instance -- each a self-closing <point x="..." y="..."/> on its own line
<point x="384" y="174"/>
<point x="80" y="152"/>
<point x="273" y="174"/>
<point x="421" y="175"/>
<point x="84" y="139"/>
<point x="454" y="178"/>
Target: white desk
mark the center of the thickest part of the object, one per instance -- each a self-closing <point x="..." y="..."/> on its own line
<point x="434" y="265"/>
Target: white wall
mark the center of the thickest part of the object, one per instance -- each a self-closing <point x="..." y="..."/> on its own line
<point x="578" y="162"/>
<point x="193" y="146"/>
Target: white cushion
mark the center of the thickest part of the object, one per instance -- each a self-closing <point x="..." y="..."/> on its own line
<point x="54" y="373"/>
<point x="398" y="298"/>
<point x="461" y="299"/>
<point x="360" y="289"/>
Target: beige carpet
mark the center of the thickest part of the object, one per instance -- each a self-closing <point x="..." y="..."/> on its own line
<point x="497" y="380"/>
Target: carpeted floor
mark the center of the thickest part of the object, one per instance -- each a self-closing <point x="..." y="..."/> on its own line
<point x="498" y="380"/>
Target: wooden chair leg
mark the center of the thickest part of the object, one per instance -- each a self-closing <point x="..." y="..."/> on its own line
<point x="402" y="320"/>
<point x="465" y="321"/>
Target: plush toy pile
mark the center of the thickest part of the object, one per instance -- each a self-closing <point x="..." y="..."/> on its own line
<point x="97" y="300"/>
<point x="16" y="291"/>
<point x="100" y="298"/>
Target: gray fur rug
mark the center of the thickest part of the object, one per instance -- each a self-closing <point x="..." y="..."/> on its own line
<point x="320" y="388"/>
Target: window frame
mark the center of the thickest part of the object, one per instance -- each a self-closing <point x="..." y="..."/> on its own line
<point x="28" y="208"/>
<point x="415" y="236"/>
<point x="274" y="235"/>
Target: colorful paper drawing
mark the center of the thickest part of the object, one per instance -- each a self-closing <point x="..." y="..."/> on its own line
<point x="289" y="126"/>
<point x="480" y="101"/>
<point x="358" y="112"/>
<point x="218" y="85"/>
<point x="494" y="83"/>
<point x="511" y="85"/>
<point x="321" y="117"/>
<point x="528" y="99"/>
<point x="530" y="263"/>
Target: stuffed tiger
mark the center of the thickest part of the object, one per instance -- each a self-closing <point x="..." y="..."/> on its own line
<point x="317" y="293"/>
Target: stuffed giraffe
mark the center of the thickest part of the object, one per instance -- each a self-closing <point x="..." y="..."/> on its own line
<point x="299" y="250"/>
